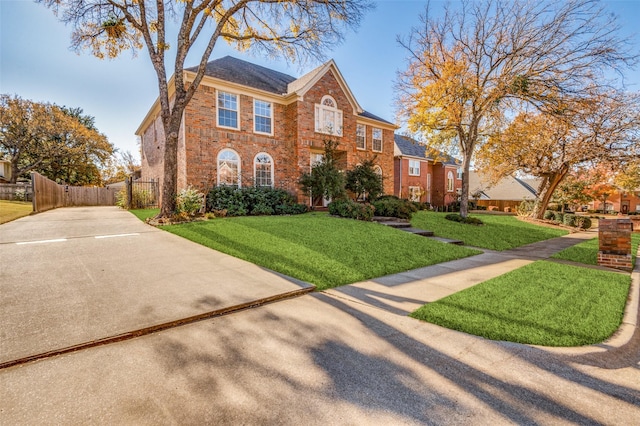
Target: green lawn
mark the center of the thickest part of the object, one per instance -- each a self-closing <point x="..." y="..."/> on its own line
<point x="587" y="252"/>
<point x="144" y="214"/>
<point x="11" y="210"/>
<point x="543" y="303"/>
<point x="498" y="232"/>
<point x="317" y="248"/>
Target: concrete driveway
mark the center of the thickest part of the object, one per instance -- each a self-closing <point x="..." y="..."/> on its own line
<point x="76" y="275"/>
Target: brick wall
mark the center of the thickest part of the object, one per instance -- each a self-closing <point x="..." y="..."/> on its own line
<point x="293" y="141"/>
<point x="614" y="237"/>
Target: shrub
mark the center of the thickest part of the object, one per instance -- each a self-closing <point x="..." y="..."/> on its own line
<point x="363" y="181"/>
<point x="140" y="198"/>
<point x="421" y="206"/>
<point x="468" y="220"/>
<point x="20" y="194"/>
<point x="558" y="217"/>
<point x="525" y="208"/>
<point x="548" y="215"/>
<point x="189" y="202"/>
<point x="583" y="222"/>
<point x="394" y="207"/>
<point x="569" y="219"/>
<point x="351" y="209"/>
<point x="253" y="201"/>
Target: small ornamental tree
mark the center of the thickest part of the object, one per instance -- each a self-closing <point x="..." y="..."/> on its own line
<point x="364" y="181"/>
<point x="326" y="179"/>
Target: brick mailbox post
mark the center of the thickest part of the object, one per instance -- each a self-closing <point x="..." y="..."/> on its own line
<point x="615" y="243"/>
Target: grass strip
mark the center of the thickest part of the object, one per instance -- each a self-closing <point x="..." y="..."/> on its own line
<point x="543" y="303"/>
<point x="144" y="214"/>
<point x="587" y="251"/>
<point x="11" y="210"/>
<point x="317" y="248"/>
<point x="498" y="232"/>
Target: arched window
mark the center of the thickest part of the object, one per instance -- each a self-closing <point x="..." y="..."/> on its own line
<point x="228" y="168"/>
<point x="450" y="181"/>
<point x="263" y="170"/>
<point x="328" y="117"/>
<point x="378" y="170"/>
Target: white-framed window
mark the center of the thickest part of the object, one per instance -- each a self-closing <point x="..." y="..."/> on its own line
<point x="450" y="181"/>
<point x="378" y="170"/>
<point x="414" y="168"/>
<point x="414" y="193"/>
<point x="459" y="171"/>
<point x="262" y="117"/>
<point x="228" y="110"/>
<point x="229" y="168"/>
<point x="361" y="136"/>
<point x="428" y="187"/>
<point x="328" y="118"/>
<point x="376" y="142"/>
<point x="263" y="169"/>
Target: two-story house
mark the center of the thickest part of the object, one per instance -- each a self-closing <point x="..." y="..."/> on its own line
<point x="423" y="175"/>
<point x="249" y="125"/>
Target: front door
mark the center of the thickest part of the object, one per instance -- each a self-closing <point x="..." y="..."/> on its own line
<point x="624" y="208"/>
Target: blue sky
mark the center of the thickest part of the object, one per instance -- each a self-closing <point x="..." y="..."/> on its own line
<point x="36" y="63"/>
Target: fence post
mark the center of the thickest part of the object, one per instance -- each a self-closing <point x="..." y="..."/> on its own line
<point x="129" y="183"/>
<point x="33" y="192"/>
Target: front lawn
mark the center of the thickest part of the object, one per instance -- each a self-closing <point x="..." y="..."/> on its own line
<point x="317" y="248"/>
<point x="11" y="210"/>
<point x="498" y="232"/>
<point x="587" y="252"/>
<point x="543" y="303"/>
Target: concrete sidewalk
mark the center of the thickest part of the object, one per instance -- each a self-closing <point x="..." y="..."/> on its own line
<point x="405" y="292"/>
<point x="76" y="276"/>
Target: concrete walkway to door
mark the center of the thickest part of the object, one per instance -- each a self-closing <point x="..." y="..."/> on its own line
<point x="73" y="276"/>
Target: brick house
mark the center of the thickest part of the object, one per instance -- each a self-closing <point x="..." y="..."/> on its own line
<point x="420" y="176"/>
<point x="620" y="201"/>
<point x="249" y="125"/>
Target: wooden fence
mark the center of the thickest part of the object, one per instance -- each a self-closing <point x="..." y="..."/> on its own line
<point x="15" y="191"/>
<point x="49" y="195"/>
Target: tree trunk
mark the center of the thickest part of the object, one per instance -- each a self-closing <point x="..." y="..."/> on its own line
<point x="464" y="196"/>
<point x="553" y="183"/>
<point x="170" y="173"/>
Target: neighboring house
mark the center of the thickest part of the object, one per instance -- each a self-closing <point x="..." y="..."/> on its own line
<point x="248" y="125"/>
<point x="5" y="171"/>
<point x="620" y="202"/>
<point x="422" y="176"/>
<point x="508" y="192"/>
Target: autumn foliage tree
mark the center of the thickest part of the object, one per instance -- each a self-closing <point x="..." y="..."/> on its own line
<point x="475" y="67"/>
<point x="173" y="29"/>
<point x="601" y="128"/>
<point x="58" y="142"/>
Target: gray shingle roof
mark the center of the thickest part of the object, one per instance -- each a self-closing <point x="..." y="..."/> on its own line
<point x="408" y="146"/>
<point x="242" y="72"/>
<point x="372" y="116"/>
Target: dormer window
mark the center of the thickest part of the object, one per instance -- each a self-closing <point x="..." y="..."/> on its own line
<point x="328" y="118"/>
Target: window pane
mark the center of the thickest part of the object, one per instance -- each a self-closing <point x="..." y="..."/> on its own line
<point x="227" y="110"/>
<point x="360" y="137"/>
<point x="263" y="170"/>
<point x="377" y="140"/>
<point x="228" y="168"/>
<point x="262" y="116"/>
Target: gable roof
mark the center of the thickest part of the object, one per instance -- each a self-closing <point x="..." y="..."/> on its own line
<point x="242" y="72"/>
<point x="411" y="147"/>
<point x="509" y="188"/>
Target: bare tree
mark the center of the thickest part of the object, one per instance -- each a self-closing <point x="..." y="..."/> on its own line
<point x="295" y="29"/>
<point x="475" y="67"/>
